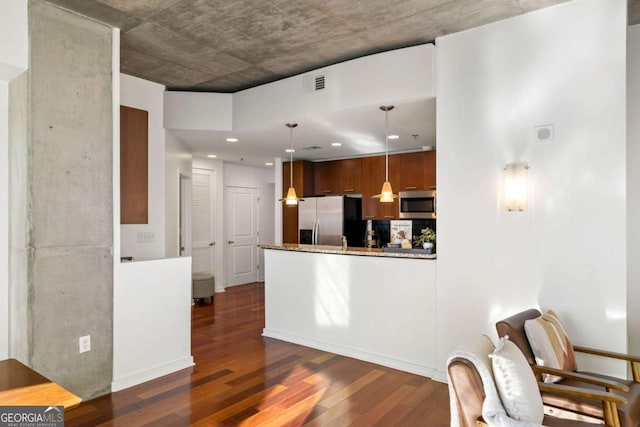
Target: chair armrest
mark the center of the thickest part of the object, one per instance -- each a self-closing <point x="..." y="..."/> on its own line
<point x="581" y="392"/>
<point x="633" y="360"/>
<point x="604" y="353"/>
<point x="570" y="375"/>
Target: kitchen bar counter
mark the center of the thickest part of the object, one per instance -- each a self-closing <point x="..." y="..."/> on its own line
<point x="376" y="252"/>
<point x="379" y="307"/>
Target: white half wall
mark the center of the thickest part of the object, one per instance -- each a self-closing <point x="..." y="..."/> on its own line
<point x="178" y="162"/>
<point x="633" y="187"/>
<point x="146" y="95"/>
<point x="14" y="38"/>
<point x="151" y="320"/>
<point x="4" y="220"/>
<point x="563" y="65"/>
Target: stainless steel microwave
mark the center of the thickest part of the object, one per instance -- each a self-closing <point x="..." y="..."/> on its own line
<point x="417" y="204"/>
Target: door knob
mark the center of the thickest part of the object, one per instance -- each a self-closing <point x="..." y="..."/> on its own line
<point x="212" y="243"/>
<point x="230" y="242"/>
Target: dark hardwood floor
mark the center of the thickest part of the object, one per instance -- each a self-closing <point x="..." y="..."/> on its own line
<point x="243" y="379"/>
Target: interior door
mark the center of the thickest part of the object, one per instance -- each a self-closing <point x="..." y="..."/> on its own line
<point x="184" y="214"/>
<point x="203" y="220"/>
<point x="242" y="235"/>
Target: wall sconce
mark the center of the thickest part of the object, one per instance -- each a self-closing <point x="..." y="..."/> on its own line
<point x="515" y="186"/>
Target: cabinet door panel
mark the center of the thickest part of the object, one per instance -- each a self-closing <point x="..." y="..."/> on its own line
<point x="326" y="178"/>
<point x="429" y="170"/>
<point x="350" y="176"/>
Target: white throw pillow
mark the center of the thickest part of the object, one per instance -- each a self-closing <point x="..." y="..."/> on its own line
<point x="516" y="383"/>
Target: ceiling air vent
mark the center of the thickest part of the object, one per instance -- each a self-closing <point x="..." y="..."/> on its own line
<point x="312" y="147"/>
<point x="314" y="83"/>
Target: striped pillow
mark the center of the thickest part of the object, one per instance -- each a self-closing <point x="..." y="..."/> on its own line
<point x="550" y="344"/>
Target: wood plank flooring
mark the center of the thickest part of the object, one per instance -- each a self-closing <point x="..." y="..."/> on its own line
<point x="243" y="379"/>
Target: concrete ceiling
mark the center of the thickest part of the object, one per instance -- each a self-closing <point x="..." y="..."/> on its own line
<point x="231" y="45"/>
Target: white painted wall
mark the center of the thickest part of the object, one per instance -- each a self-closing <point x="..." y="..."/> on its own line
<point x="4" y="220"/>
<point x="14" y="38"/>
<point x="633" y="188"/>
<point x="151" y="320"/>
<point x="263" y="180"/>
<point x="178" y="162"/>
<point x="198" y="110"/>
<point x="277" y="208"/>
<point x="220" y="265"/>
<point x="145" y="95"/>
<point x="563" y="65"/>
<point x="377" y="309"/>
<point x="381" y="78"/>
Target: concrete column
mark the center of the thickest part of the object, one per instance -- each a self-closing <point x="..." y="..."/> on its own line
<point x="69" y="275"/>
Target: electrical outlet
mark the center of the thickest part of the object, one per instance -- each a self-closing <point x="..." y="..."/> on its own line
<point x="84" y="344"/>
<point x="146" y="236"/>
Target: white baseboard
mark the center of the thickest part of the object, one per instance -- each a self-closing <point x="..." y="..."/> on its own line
<point x="151" y="374"/>
<point x="440" y="376"/>
<point x="379" y="359"/>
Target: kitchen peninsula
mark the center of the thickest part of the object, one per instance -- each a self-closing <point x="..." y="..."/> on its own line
<point x="363" y="303"/>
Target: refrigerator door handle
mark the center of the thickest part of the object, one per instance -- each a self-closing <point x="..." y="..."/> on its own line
<point x="316" y="232"/>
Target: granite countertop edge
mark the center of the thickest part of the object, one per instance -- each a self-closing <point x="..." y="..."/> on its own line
<point x="338" y="250"/>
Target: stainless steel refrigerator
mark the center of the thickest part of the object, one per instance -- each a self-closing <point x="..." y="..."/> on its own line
<point x="324" y="220"/>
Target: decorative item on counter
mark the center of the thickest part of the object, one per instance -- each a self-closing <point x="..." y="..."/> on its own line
<point x="426" y="239"/>
<point x="401" y="232"/>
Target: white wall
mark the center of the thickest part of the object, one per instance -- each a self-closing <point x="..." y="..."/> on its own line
<point x="4" y="220"/>
<point x="151" y="320"/>
<point x="633" y="188"/>
<point x="381" y="78"/>
<point x="563" y="65"/>
<point x="145" y="95"/>
<point x="14" y="38"/>
<point x="263" y="180"/>
<point x="178" y="162"/>
<point x="198" y="110"/>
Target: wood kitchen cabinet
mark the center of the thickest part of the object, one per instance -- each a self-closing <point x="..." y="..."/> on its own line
<point x="303" y="183"/>
<point x="350" y="176"/>
<point x="410" y="170"/>
<point x="429" y="170"/>
<point x="373" y="175"/>
<point x="326" y="178"/>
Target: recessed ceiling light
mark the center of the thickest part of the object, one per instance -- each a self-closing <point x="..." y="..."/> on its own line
<point x="336" y="144"/>
<point x="232" y="139"/>
<point x="268" y="164"/>
<point x="213" y="156"/>
<point x="290" y="150"/>
<point x="394" y="136"/>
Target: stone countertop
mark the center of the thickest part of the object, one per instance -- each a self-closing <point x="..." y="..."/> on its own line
<point x="348" y="251"/>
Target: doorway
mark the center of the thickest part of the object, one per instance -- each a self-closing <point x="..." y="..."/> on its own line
<point x="203" y="220"/>
<point x="242" y="235"/>
<point x="184" y="215"/>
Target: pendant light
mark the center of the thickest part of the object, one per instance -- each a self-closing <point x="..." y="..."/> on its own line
<point x="386" y="194"/>
<point x="291" y="199"/>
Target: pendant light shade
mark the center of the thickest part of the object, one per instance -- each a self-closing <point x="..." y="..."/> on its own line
<point x="386" y="194"/>
<point x="291" y="199"/>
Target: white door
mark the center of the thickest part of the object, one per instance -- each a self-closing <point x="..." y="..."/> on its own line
<point x="242" y="235"/>
<point x="184" y="222"/>
<point x="203" y="220"/>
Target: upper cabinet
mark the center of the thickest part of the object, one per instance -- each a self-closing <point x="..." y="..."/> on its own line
<point x="326" y="178"/>
<point x="409" y="168"/>
<point x="430" y="170"/>
<point x="350" y="176"/>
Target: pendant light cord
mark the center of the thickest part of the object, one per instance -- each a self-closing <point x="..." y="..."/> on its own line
<point x="386" y="144"/>
<point x="291" y="152"/>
